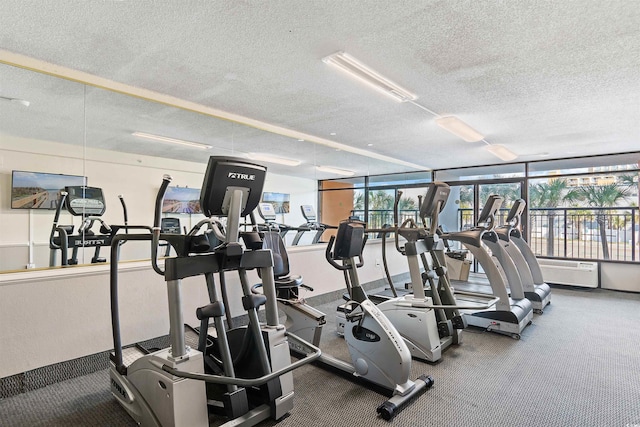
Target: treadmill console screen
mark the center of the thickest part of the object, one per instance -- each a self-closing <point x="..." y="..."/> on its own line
<point x="85" y="201"/>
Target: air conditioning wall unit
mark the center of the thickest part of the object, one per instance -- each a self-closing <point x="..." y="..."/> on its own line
<point x="573" y="273"/>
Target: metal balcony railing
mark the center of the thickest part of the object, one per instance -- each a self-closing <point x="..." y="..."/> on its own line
<point x="574" y="233"/>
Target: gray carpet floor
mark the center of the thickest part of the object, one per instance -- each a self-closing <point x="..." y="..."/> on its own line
<point x="577" y="365"/>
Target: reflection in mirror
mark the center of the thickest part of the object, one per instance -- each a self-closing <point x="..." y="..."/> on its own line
<point x="124" y="163"/>
<point x="48" y="137"/>
<point x="41" y="132"/>
<point x="123" y="145"/>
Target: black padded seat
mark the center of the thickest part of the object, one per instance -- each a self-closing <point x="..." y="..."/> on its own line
<point x="273" y="241"/>
<point x="288" y="282"/>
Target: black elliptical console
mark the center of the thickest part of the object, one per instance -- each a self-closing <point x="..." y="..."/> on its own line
<point x="89" y="204"/>
<point x="223" y="176"/>
<point x="85" y="201"/>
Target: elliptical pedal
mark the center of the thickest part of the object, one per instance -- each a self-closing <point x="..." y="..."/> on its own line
<point x="131" y="354"/>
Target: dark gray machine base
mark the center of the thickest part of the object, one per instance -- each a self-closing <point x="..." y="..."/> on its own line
<point x="540" y="298"/>
<point x="510" y="322"/>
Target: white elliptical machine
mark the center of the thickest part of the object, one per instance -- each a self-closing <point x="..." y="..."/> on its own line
<point x="428" y="317"/>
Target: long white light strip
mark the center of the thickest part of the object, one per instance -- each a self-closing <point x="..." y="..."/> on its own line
<point x="347" y="63"/>
<point x="171" y="140"/>
<point x="502" y="152"/>
<point x="273" y="159"/>
<point x="337" y="171"/>
<point x="459" y="128"/>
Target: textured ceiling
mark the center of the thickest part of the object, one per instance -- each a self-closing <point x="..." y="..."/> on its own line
<point x="547" y="79"/>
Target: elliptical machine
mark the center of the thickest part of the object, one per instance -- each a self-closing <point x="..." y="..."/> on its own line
<point x="428" y="319"/>
<point x="243" y="374"/>
<point x="89" y="204"/>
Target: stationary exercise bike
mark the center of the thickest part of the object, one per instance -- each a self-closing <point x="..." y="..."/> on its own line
<point x="378" y="353"/>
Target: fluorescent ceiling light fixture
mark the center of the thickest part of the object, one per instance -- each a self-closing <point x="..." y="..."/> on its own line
<point x="502" y="152"/>
<point x="22" y="102"/>
<point x="459" y="128"/>
<point x="354" y="68"/>
<point x="171" y="140"/>
<point x="273" y="159"/>
<point x="329" y="169"/>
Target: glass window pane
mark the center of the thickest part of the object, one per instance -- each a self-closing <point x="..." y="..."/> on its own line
<point x="515" y="170"/>
<point x="381" y="208"/>
<point x="333" y="184"/>
<point x="592" y="216"/>
<point x="338" y="205"/>
<point x="617" y="162"/>
<point x="400" y="179"/>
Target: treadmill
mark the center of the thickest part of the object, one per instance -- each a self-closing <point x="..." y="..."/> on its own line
<point x="511" y="314"/>
<point x="312" y="224"/>
<point x="535" y="289"/>
<point x="268" y="214"/>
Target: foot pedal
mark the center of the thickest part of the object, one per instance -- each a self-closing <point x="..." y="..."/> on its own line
<point x="459" y="322"/>
<point x="445" y="329"/>
<point x="236" y="403"/>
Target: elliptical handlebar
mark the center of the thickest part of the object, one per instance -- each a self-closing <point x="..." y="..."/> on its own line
<point x="361" y="260"/>
<point x="396" y="208"/>
<point x="155" y="240"/>
<point x="424" y="219"/>
<point x="124" y="212"/>
<point x="56" y="218"/>
<point x="396" y="217"/>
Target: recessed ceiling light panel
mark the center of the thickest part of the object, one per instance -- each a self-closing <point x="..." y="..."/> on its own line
<point x="329" y="169"/>
<point x="502" y="152"/>
<point x="347" y="63"/>
<point x="273" y="159"/>
<point x="459" y="128"/>
<point x="171" y="140"/>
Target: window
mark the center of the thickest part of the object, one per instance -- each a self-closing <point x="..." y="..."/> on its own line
<point x="579" y="208"/>
<point x="588" y="216"/>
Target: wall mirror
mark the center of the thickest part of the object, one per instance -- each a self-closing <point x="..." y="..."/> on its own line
<point x="55" y="130"/>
